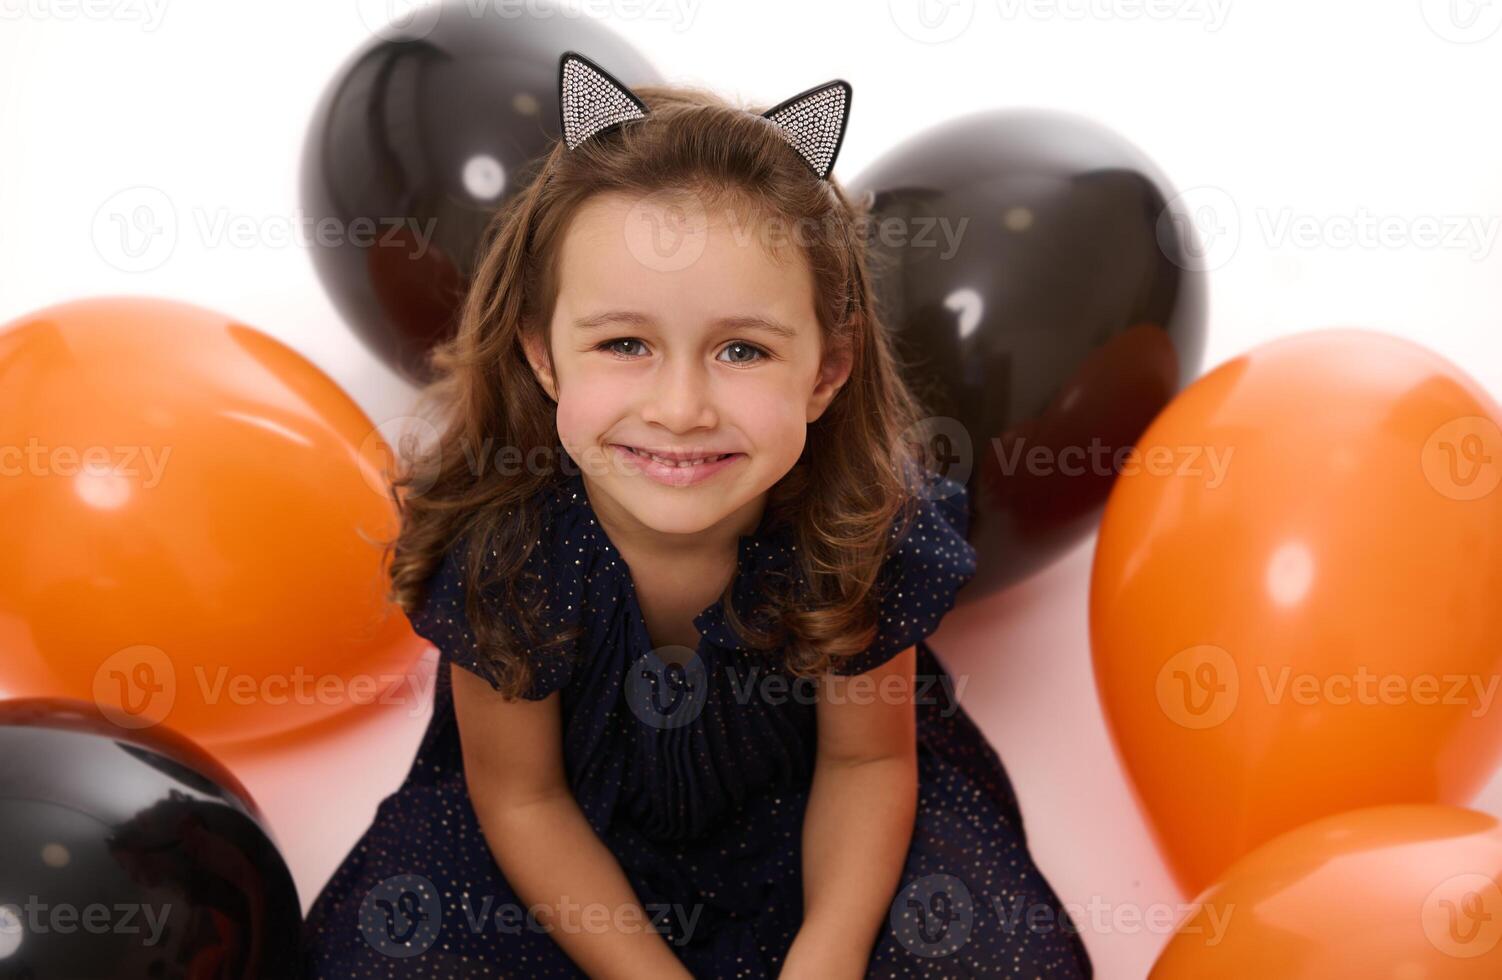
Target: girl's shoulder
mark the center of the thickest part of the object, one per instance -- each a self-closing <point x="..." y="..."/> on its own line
<point x="929" y="561"/>
<point x="442" y="618"/>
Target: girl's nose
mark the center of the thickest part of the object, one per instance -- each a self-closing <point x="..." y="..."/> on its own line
<point x="680" y="398"/>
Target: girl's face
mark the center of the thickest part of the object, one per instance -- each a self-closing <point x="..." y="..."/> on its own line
<point x="678" y="331"/>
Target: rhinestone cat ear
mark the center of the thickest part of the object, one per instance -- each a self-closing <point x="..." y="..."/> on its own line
<point x="591" y="100"/>
<point x="814" y="123"/>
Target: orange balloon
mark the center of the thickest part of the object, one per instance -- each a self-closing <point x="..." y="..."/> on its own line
<point x="1296" y="601"/>
<point x="1386" y="891"/>
<point x="193" y="515"/>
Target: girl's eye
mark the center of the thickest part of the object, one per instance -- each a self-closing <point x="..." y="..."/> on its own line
<point x="742" y="345"/>
<point x="610" y="346"/>
<point x="750" y="353"/>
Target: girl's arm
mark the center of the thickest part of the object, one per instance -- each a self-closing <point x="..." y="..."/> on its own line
<point x="859" y="821"/>
<point x="551" y="856"/>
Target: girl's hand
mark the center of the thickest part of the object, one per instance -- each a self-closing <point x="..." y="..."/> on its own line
<point x="816" y="957"/>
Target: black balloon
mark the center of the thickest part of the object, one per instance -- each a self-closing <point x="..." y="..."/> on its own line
<point x="1040" y="282"/>
<point x="132" y="854"/>
<point x="417" y="140"/>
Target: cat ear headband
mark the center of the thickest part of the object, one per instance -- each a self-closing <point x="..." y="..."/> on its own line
<point x="591" y="101"/>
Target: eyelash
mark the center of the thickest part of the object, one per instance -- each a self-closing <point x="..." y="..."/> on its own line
<point x="605" y="345"/>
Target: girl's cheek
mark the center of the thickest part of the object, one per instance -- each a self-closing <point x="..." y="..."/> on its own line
<point x="573" y="416"/>
<point x="591" y="402"/>
<point x="767" y="407"/>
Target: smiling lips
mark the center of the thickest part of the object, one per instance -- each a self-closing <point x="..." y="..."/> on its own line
<point x="678" y="458"/>
<point x="678" y="468"/>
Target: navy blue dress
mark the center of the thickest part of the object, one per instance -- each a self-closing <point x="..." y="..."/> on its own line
<point x="698" y="787"/>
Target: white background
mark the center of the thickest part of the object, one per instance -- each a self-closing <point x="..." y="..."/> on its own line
<point x="1335" y="118"/>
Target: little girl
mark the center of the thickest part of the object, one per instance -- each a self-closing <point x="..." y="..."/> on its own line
<point x="679" y="560"/>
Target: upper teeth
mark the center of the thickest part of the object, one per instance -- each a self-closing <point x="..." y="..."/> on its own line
<point x="677" y="462"/>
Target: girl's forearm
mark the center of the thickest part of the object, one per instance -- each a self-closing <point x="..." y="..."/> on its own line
<point x="553" y="860"/>
<point x="856" y="833"/>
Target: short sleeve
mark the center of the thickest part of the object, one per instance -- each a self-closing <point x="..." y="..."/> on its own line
<point x="442" y="622"/>
<point x="921" y="576"/>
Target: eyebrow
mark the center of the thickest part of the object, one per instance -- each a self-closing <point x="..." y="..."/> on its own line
<point x="633" y="318"/>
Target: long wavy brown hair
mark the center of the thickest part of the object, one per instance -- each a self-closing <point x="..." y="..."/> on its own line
<point x="839" y="500"/>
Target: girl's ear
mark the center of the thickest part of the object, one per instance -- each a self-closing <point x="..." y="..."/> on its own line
<point x="533" y="342"/>
<point x="834" y="371"/>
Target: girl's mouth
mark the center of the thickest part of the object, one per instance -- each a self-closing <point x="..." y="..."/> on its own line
<point x="677" y="472"/>
<point x="678" y="460"/>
